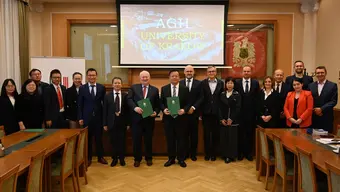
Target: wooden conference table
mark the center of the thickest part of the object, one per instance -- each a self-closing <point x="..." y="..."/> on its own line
<point x="291" y="138"/>
<point x="21" y="152"/>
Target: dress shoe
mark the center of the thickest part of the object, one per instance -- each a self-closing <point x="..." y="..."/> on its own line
<point x="169" y="163"/>
<point x="249" y="158"/>
<point x="182" y="164"/>
<point x="227" y="160"/>
<point x="102" y="161"/>
<point x="149" y="162"/>
<point x="193" y="158"/>
<point x="207" y="158"/>
<point x="122" y="162"/>
<point x="136" y="164"/>
<point x="213" y="158"/>
<point x="114" y="162"/>
<point x="240" y="158"/>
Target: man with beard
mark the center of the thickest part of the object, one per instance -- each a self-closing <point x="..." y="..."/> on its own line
<point x="299" y="66"/>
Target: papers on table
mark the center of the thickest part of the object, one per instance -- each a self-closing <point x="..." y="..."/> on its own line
<point x="334" y="143"/>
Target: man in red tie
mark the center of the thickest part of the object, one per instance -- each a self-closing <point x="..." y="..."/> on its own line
<point x="143" y="126"/>
<point x="54" y="98"/>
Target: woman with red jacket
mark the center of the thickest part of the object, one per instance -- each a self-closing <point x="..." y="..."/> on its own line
<point x="298" y="107"/>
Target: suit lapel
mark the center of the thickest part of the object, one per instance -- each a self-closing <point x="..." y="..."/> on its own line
<point x="325" y="86"/>
<point x="148" y="94"/>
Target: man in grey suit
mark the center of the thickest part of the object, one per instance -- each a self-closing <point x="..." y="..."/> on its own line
<point x="325" y="96"/>
<point x="115" y="120"/>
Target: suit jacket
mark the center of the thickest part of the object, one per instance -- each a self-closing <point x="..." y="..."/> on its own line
<point x="306" y="81"/>
<point x="304" y="108"/>
<point x="230" y="107"/>
<point x="283" y="94"/>
<point x="8" y="116"/>
<point x="135" y="94"/>
<point x="41" y="87"/>
<point x="327" y="100"/>
<point x="71" y="103"/>
<point x="209" y="102"/>
<point x="109" y="110"/>
<point x="248" y="109"/>
<point x="51" y="102"/>
<point x="183" y="94"/>
<point x="88" y="107"/>
<point x="30" y="110"/>
<point x="194" y="94"/>
<point x="270" y="106"/>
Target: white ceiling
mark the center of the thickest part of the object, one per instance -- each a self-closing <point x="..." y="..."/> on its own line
<point x="111" y="1"/>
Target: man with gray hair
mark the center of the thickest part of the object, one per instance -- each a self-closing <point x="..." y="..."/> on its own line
<point x="142" y="126"/>
<point x="281" y="87"/>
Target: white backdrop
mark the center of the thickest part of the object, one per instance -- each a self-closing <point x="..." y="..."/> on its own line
<point x="66" y="65"/>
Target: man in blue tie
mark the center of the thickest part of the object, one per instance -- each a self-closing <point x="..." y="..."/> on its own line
<point x="90" y="109"/>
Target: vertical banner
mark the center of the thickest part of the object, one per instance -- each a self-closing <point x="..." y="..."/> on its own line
<point x="244" y="48"/>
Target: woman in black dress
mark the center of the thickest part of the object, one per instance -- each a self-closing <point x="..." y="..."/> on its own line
<point x="29" y="107"/>
<point x="268" y="105"/>
<point x="229" y="108"/>
<point x="8" y="116"/>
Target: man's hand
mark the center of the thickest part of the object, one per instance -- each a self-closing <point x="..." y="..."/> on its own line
<point x="267" y="118"/>
<point x="22" y="126"/>
<point x="49" y="123"/>
<point x="282" y="115"/>
<point x="166" y="111"/>
<point x="81" y="122"/>
<point x="299" y="121"/>
<point x="229" y="122"/>
<point x="318" y="111"/>
<point x="127" y="127"/>
<point x="105" y="128"/>
<point x="138" y="110"/>
<point x="181" y="112"/>
<point x="153" y="114"/>
<point x="224" y="122"/>
<point x="191" y="111"/>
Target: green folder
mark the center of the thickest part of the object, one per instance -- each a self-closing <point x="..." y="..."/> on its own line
<point x="145" y="104"/>
<point x="173" y="105"/>
<point x="34" y="130"/>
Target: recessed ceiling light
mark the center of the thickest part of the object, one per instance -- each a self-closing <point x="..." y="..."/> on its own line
<point x="113" y="25"/>
<point x="230" y="25"/>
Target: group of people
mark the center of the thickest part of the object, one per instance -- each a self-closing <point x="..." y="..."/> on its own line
<point x="230" y="110"/>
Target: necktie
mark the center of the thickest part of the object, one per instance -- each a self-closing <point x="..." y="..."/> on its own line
<point x="188" y="83"/>
<point x="247" y="86"/>
<point x="278" y="88"/>
<point x="92" y="91"/>
<point x="60" y="98"/>
<point x="174" y="92"/>
<point x="144" y="91"/>
<point x="117" y="102"/>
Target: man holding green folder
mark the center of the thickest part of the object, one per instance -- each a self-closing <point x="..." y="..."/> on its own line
<point x="175" y="104"/>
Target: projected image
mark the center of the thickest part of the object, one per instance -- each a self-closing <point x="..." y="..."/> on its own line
<point x="172" y="34"/>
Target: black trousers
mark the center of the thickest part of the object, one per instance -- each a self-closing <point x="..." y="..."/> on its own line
<point x="211" y="136"/>
<point x="192" y="124"/>
<point x="143" y="128"/>
<point x="176" y="137"/>
<point x="246" y="139"/>
<point x="95" y="130"/>
<point x="117" y="135"/>
<point x="228" y="141"/>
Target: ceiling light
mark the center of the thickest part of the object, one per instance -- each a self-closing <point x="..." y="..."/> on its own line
<point x="113" y="25"/>
<point x="230" y="25"/>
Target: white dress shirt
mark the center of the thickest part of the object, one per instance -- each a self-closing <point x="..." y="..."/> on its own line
<point x="266" y="95"/>
<point x="244" y="84"/>
<point x="190" y="83"/>
<point x="212" y="85"/>
<point x="61" y="93"/>
<point x="95" y="88"/>
<point x="12" y="99"/>
<point x="146" y="90"/>
<point x="320" y="86"/>
<point x="77" y="88"/>
<point x="280" y="86"/>
<point x="228" y="94"/>
<point x="172" y="89"/>
<point x="120" y="98"/>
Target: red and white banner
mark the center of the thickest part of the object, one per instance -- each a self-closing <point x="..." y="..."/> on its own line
<point x="243" y="48"/>
<point x="65" y="82"/>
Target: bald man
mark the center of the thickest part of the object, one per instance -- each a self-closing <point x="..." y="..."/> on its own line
<point x="193" y="114"/>
<point x="142" y="126"/>
<point x="281" y="87"/>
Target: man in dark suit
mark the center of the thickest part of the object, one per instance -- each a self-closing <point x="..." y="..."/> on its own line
<point x="54" y="102"/>
<point x="325" y="95"/>
<point x="194" y="87"/>
<point x="35" y="75"/>
<point x="90" y="109"/>
<point x="71" y="100"/>
<point x="282" y="89"/>
<point x="248" y="89"/>
<point x="299" y="67"/>
<point x="142" y="126"/>
<point x="175" y="125"/>
<point x="115" y="120"/>
<point x="211" y="89"/>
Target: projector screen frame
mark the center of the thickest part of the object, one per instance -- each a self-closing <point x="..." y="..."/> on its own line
<point x="172" y="2"/>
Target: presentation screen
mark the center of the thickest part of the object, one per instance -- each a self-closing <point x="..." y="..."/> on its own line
<point x="171" y="34"/>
